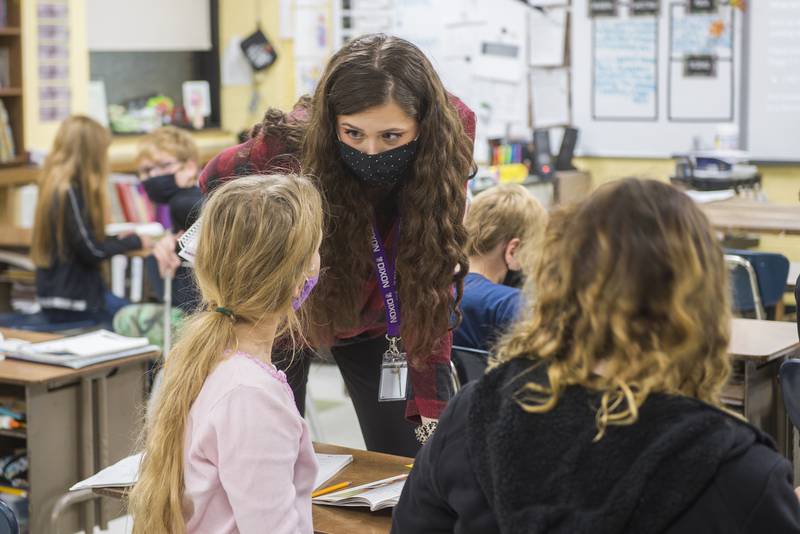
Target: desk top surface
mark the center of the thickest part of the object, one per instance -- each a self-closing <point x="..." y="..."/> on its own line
<point x="752" y="215"/>
<point x="366" y="467"/>
<point x="22" y="372"/>
<point x="763" y="341"/>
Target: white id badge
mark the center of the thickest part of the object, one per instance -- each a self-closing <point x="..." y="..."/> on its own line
<point x="394" y="377"/>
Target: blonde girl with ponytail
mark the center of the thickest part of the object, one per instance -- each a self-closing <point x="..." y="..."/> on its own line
<point x="226" y="450"/>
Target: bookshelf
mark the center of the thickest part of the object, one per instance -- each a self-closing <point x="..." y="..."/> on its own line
<point x="11" y="82"/>
<point x="14" y="168"/>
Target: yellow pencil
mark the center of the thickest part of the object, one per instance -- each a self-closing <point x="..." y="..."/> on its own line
<point x="330" y="489"/>
<point x="13" y="491"/>
<point x="409" y="465"/>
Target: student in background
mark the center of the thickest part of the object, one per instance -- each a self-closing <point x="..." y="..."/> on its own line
<point x="603" y="412"/>
<point x="69" y="242"/>
<point x="504" y="225"/>
<point x="168" y="164"/>
<point x="226" y="449"/>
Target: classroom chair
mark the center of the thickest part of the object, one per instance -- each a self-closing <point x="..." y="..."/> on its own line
<point x="470" y="364"/>
<point x="8" y="520"/>
<point x="758" y="281"/>
<point x="789" y="375"/>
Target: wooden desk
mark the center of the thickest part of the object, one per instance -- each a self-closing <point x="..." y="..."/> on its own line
<point x="759" y="347"/>
<point x="753" y="216"/>
<point x="79" y="421"/>
<point x="366" y="467"/>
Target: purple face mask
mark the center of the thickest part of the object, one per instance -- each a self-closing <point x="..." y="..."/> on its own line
<point x="308" y="286"/>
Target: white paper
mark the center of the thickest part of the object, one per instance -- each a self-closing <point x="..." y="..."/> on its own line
<point x="704" y="197"/>
<point x="376" y="495"/>
<point x="94" y="343"/>
<point x="119" y="267"/>
<point x="197" y="98"/>
<point x="329" y="466"/>
<point x="286" y="20"/>
<point x="625" y="78"/>
<point x="125" y="472"/>
<point x="547" y="37"/>
<point x="701" y="98"/>
<point x="98" y="105"/>
<point x="153" y="229"/>
<point x="235" y="68"/>
<point x="311" y="32"/>
<point x="307" y="72"/>
<point x="550" y="93"/>
<point x="122" y="474"/>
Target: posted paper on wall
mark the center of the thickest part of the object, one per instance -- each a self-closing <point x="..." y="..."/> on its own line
<point x="547" y="37"/>
<point x="550" y="89"/>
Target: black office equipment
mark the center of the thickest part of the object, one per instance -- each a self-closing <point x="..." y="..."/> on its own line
<point x="542" y="157"/>
<point x="567" y="150"/>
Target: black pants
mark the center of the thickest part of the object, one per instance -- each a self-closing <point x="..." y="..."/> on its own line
<point x="383" y="424"/>
<point x="296" y="367"/>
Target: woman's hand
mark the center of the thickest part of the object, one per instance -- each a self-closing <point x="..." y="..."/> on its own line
<point x="164" y="252"/>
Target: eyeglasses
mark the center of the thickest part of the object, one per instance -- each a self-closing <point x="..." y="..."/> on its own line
<point x="147" y="172"/>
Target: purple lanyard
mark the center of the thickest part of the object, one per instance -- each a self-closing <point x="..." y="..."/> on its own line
<point x="387" y="282"/>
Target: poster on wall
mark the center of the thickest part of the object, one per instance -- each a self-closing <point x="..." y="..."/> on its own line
<point x="312" y="43"/>
<point x="53" y="53"/>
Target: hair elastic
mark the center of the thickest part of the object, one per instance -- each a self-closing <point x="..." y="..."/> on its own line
<point x="226" y="312"/>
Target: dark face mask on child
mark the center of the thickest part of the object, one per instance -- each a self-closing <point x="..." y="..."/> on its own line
<point x="161" y="189"/>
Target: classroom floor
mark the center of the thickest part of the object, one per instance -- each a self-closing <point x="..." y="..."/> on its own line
<point x="335" y="414"/>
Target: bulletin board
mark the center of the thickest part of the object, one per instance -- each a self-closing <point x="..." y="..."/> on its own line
<point x="634" y="90"/>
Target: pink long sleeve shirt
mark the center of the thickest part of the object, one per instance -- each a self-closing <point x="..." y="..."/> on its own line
<point x="248" y="461"/>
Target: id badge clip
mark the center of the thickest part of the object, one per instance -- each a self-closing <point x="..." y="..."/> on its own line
<point x="394" y="373"/>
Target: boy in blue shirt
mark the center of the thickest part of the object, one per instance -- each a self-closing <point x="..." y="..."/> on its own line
<point x="504" y="225"/>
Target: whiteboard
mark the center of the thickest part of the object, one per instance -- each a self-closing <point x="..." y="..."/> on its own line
<point x="630" y="95"/>
<point x="772" y="129"/>
<point x="147" y="25"/>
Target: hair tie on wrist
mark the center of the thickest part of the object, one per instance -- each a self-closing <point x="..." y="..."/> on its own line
<point x="226" y="312"/>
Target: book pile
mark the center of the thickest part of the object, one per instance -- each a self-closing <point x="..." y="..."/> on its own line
<point x="128" y="200"/>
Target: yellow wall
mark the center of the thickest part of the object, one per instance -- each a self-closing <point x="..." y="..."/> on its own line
<point x="276" y="84"/>
<point x="39" y="135"/>
<point x="781" y="184"/>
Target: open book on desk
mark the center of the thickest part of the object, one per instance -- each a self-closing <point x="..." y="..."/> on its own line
<point x="125" y="472"/>
<point x="374" y="495"/>
<point x="78" y="351"/>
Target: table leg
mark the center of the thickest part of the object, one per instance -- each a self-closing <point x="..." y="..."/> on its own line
<point x="102" y="440"/>
<point x="87" y="447"/>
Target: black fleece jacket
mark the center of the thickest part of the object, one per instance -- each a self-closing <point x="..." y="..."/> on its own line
<point x="683" y="467"/>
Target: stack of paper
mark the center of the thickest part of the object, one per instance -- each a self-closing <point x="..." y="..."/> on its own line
<point x="375" y="495"/>
<point x="78" y="351"/>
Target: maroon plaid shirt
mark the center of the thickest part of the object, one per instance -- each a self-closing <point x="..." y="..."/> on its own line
<point x="430" y="387"/>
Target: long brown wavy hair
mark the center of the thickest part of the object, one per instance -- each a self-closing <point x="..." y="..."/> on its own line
<point x="631" y="299"/>
<point x="367" y="72"/>
<point x="79" y="160"/>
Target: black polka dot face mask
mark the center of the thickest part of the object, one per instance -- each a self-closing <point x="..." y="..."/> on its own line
<point x="384" y="169"/>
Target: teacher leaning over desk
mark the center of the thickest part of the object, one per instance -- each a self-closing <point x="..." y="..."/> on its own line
<point x="391" y="152"/>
